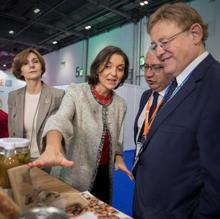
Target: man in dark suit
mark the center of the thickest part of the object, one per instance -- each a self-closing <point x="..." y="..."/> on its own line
<point x="178" y="171"/>
<point x="157" y="81"/>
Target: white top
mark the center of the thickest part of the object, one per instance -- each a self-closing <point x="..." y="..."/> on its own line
<point x="30" y="120"/>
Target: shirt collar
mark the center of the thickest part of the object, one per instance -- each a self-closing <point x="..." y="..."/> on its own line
<point x="185" y="73"/>
<point x="162" y="92"/>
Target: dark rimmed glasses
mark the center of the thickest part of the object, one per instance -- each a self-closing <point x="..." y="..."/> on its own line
<point x="156" y="68"/>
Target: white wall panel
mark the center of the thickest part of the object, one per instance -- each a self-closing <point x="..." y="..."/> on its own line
<point x="209" y="10"/>
<point x="131" y="94"/>
<point x="121" y="37"/>
<point x="61" y="65"/>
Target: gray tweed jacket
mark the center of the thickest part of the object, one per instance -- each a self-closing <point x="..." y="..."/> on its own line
<point x="80" y="120"/>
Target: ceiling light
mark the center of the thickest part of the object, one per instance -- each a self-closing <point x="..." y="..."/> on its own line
<point x="11" y="32"/>
<point x="36" y="10"/>
<point x="143" y="3"/>
<point x="4" y="65"/>
<point x="88" y="27"/>
<point x="54" y="42"/>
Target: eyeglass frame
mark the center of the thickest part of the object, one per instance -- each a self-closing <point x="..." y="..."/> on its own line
<point x="156" y="68"/>
<point x="164" y="43"/>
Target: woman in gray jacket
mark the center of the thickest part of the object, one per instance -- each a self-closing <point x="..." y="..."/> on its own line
<point x="87" y="128"/>
<point x="29" y="107"/>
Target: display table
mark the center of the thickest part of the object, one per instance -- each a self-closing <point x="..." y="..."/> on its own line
<point x="97" y="209"/>
<point x="24" y="181"/>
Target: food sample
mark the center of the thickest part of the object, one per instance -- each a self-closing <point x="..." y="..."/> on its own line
<point x="8" y="208"/>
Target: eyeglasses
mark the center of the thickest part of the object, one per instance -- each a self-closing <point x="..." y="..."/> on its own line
<point x="156" y="68"/>
<point x="165" y="42"/>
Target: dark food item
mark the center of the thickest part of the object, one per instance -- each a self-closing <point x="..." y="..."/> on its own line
<point x="69" y="202"/>
<point x="39" y="197"/>
<point x="23" y="157"/>
<point x="75" y="209"/>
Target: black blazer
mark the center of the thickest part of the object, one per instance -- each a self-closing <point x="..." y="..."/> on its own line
<point x="178" y="174"/>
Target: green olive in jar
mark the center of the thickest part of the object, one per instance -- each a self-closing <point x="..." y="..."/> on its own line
<point x="8" y="160"/>
<point x="24" y="158"/>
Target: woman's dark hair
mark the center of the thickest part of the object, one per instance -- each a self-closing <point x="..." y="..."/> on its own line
<point x="103" y="58"/>
<point x="21" y="58"/>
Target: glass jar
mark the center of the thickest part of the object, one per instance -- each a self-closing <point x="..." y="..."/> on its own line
<point x="2" y="152"/>
<point x="22" y="148"/>
<point x="44" y="213"/>
<point x="8" y="160"/>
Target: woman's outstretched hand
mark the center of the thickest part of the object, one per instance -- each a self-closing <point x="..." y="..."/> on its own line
<point x="51" y="158"/>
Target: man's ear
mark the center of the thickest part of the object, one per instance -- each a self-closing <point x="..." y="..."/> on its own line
<point x="197" y="33"/>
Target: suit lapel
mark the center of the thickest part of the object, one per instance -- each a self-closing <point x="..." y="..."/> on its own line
<point x="142" y="104"/>
<point x="184" y="91"/>
<point x="44" y="105"/>
<point x="170" y="106"/>
<point x="144" y="101"/>
<point x="20" y="98"/>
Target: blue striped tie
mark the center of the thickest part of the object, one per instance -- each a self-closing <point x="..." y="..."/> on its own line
<point x="170" y="91"/>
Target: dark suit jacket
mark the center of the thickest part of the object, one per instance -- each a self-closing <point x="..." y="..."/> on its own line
<point x="178" y="174"/>
<point x="50" y="100"/>
<point x="144" y="98"/>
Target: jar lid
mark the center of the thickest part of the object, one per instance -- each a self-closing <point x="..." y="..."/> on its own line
<point x="15" y="142"/>
<point x="7" y="145"/>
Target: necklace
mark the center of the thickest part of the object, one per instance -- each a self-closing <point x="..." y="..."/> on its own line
<point x="103" y="100"/>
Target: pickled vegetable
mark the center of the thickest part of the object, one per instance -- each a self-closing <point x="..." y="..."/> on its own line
<point x="24" y="158"/>
<point x="5" y="164"/>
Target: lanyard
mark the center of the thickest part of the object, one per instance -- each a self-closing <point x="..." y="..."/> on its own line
<point x="147" y="122"/>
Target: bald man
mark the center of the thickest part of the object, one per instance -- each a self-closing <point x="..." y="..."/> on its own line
<point x="157" y="81"/>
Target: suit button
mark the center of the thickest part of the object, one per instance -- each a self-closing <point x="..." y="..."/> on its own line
<point x="14" y="115"/>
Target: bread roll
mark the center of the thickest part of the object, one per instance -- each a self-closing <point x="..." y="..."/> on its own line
<point x="2" y="216"/>
<point x="8" y="208"/>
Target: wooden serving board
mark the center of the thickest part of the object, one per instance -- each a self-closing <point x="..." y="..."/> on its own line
<point x="24" y="180"/>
